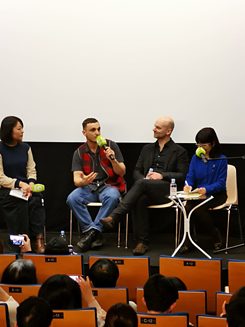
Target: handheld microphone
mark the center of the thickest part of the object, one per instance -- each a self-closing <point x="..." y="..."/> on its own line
<point x="101" y="141"/>
<point x="37" y="188"/>
<point x="200" y="153"/>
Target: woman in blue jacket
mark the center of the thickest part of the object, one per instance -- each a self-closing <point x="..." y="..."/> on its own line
<point x="208" y="176"/>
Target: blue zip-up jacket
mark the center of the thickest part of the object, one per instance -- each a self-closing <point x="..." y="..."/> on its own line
<point x="211" y="175"/>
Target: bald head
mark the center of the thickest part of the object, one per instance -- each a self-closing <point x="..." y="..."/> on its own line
<point x="166" y="121"/>
<point x="163" y="128"/>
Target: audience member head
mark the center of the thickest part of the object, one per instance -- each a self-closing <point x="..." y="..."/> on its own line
<point x="207" y="135"/>
<point x="160" y="294"/>
<point x="20" y="271"/>
<point x="7" y="127"/>
<point x="104" y="273"/>
<point x="180" y="285"/>
<point x="61" y="292"/>
<point x="121" y="315"/>
<point x="240" y="293"/>
<point x="235" y="312"/>
<point x="34" y="312"/>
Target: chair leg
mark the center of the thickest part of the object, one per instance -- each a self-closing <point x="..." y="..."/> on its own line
<point x="179" y="224"/>
<point x="119" y="235"/>
<point x="126" y="232"/>
<point x="176" y="226"/>
<point x="240" y="224"/>
<point x="70" y="236"/>
<point x="228" y="227"/>
<point x="44" y="235"/>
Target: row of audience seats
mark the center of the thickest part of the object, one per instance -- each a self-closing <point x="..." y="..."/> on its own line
<point x="201" y="275"/>
<point x="191" y="301"/>
<point x="197" y="274"/>
<point x="67" y="318"/>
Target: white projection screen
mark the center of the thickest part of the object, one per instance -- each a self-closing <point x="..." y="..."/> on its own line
<point x="125" y="62"/>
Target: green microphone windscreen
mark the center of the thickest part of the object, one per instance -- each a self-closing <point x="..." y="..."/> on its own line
<point x="101" y="141"/>
<point x="38" y="188"/>
<point x="200" y="151"/>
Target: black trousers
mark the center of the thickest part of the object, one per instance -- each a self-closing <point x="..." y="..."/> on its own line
<point x="201" y="219"/>
<point x="142" y="194"/>
<point x="22" y="217"/>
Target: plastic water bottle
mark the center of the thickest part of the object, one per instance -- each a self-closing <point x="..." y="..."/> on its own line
<point x="62" y="234"/>
<point x="70" y="246"/>
<point x="173" y="188"/>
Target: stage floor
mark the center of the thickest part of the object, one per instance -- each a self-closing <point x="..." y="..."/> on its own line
<point x="161" y="244"/>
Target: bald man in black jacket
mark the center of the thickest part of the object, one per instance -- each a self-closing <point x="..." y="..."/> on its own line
<point x="157" y="164"/>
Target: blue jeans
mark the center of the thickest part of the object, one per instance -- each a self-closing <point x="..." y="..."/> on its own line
<point x="79" y="198"/>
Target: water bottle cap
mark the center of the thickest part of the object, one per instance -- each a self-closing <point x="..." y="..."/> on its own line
<point x="173" y="180"/>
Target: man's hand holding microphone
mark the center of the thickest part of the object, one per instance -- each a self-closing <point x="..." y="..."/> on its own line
<point x="102" y="143"/>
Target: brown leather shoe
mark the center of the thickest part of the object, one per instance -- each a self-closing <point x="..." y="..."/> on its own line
<point x="38" y="246"/>
<point x="108" y="223"/>
<point x="140" y="249"/>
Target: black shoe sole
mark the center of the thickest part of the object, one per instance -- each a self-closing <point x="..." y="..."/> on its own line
<point x="96" y="244"/>
<point x="138" y="254"/>
<point x="84" y="247"/>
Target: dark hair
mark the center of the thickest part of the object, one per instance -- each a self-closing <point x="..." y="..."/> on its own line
<point x="240" y="293"/>
<point x="208" y="135"/>
<point x="6" y="129"/>
<point x="61" y="292"/>
<point x="21" y="271"/>
<point x="159" y="293"/>
<point x="89" y="121"/>
<point x="104" y="273"/>
<point x="121" y="315"/>
<point x="180" y="285"/>
<point x="235" y="312"/>
<point x="34" y="312"/>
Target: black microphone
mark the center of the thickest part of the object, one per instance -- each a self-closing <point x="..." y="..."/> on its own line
<point x="200" y="153"/>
